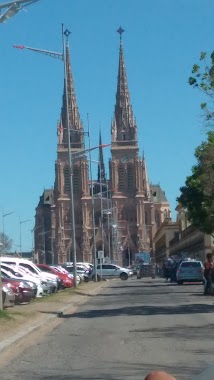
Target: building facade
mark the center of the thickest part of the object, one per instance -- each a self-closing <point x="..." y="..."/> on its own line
<point x="130" y="210"/>
<point x="181" y="240"/>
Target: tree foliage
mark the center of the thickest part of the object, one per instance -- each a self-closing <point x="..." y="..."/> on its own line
<point x="203" y="79"/>
<point x="6" y="241"/>
<point x="197" y="196"/>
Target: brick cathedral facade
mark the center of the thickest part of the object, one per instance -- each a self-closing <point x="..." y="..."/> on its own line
<point x="133" y="209"/>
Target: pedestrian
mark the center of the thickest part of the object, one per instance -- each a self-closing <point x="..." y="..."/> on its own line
<point x="208" y="269"/>
<point x="159" y="375"/>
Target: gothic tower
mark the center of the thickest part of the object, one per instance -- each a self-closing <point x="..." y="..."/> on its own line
<point x="126" y="222"/>
<point x="63" y="223"/>
<point x="128" y="177"/>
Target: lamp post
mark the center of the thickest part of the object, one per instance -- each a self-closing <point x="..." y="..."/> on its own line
<point x="1" y="300"/>
<point x="20" y="234"/>
<point x="77" y="156"/>
<point x="92" y="205"/>
<point x="62" y="57"/>
<point x="101" y="212"/>
<point x="4" y="216"/>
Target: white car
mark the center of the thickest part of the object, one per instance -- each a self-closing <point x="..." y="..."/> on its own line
<point x="111" y="271"/>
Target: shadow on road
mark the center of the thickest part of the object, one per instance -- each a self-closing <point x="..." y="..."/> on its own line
<point x="144" y="310"/>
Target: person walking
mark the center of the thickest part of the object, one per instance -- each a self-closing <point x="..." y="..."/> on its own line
<point x="208" y="272"/>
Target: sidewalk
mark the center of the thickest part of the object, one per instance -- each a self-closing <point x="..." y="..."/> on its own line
<point x="25" y="319"/>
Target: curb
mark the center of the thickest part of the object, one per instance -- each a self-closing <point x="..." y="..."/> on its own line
<point x="6" y="343"/>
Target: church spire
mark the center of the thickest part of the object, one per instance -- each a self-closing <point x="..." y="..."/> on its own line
<point x="124" y="128"/>
<point x="101" y="165"/>
<point x="75" y="123"/>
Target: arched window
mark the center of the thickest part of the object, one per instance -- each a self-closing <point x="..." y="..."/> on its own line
<point x="130" y="177"/>
<point x="165" y="214"/>
<point x="157" y="218"/>
<point x="146" y="217"/>
<point x="121" y="178"/>
<point x="67" y="184"/>
<point x="76" y="180"/>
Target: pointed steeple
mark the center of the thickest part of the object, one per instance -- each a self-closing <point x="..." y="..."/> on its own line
<point x="146" y="186"/>
<point x="124" y="128"/>
<point x="101" y="166"/>
<point x="75" y="123"/>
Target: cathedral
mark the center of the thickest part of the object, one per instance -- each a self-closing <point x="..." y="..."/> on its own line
<point x="118" y="215"/>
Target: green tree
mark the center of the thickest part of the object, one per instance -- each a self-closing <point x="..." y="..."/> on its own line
<point x="6" y="243"/>
<point x="203" y="79"/>
<point x="197" y="196"/>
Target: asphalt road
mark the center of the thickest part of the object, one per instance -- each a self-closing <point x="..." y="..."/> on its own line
<point x="130" y="328"/>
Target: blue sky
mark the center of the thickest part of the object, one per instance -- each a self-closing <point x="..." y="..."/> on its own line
<point x="163" y="39"/>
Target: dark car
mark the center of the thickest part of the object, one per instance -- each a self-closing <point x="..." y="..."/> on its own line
<point x="146" y="270"/>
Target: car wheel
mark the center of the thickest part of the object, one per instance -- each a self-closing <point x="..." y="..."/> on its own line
<point x="124" y="276"/>
<point x="180" y="282"/>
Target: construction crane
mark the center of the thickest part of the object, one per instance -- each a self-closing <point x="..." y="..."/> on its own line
<point x="13" y="7"/>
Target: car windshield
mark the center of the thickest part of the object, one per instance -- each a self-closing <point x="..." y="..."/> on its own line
<point x="191" y="264"/>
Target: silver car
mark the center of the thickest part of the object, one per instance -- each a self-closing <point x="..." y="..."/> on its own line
<point x="107" y="271"/>
<point x="190" y="271"/>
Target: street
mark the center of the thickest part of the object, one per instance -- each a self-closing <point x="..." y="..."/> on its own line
<point x="126" y="331"/>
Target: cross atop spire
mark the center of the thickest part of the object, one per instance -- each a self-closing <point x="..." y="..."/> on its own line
<point x="67" y="33"/>
<point x="120" y="31"/>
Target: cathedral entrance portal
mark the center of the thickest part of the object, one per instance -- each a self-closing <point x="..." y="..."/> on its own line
<point x="127" y="257"/>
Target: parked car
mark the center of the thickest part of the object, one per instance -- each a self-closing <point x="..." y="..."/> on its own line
<point x="190" y="271"/>
<point x="82" y="271"/>
<point x="52" y="280"/>
<point x="46" y="287"/>
<point x="59" y="268"/>
<point x="15" y="289"/>
<point x="67" y="280"/>
<point x="111" y="271"/>
<point x="31" y="284"/>
<point x="8" y="297"/>
<point x="16" y="272"/>
<point x="146" y="270"/>
<point x="23" y="292"/>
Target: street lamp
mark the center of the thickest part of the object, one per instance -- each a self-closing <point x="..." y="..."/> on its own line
<point x="20" y="224"/>
<point x="13" y="7"/>
<point x="4" y="216"/>
<point x="62" y="57"/>
<point x="102" y="232"/>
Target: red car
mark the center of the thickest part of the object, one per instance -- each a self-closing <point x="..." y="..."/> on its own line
<point x="67" y="281"/>
<point x="21" y="289"/>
